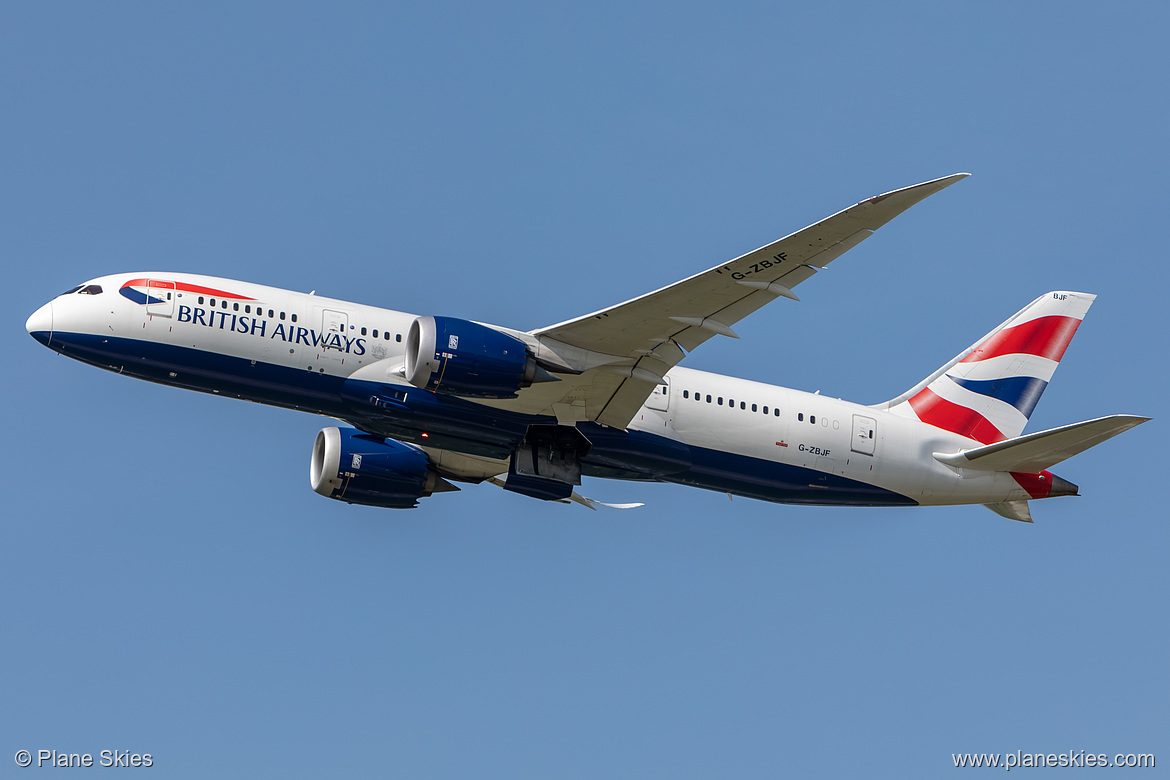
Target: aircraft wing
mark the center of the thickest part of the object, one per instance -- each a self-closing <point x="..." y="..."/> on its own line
<point x="649" y="335"/>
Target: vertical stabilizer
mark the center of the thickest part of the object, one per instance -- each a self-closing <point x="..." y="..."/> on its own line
<point x="988" y="391"/>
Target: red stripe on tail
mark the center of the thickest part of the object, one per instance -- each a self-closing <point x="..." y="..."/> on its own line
<point x="1046" y="337"/>
<point x="935" y="410"/>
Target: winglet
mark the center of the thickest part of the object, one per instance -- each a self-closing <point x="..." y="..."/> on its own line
<point x="908" y="196"/>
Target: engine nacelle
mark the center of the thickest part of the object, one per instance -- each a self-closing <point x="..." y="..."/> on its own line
<point x="457" y="357"/>
<point x="359" y="468"/>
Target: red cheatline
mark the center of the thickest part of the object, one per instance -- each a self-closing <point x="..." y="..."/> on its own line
<point x="192" y="288"/>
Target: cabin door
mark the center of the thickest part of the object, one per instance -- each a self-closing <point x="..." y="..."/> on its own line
<point x="334" y="328"/>
<point x="660" y="398"/>
<point x="160" y="298"/>
<point x="864" y="435"/>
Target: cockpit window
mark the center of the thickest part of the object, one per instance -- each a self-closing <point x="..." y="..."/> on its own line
<point x="90" y="289"/>
<point x="72" y="290"/>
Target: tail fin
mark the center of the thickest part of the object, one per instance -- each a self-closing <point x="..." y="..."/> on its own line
<point x="988" y="391"/>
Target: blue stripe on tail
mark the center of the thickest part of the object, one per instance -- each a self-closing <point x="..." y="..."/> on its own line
<point x="1022" y="392"/>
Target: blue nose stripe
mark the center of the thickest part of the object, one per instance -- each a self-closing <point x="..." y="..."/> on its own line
<point x="139" y="297"/>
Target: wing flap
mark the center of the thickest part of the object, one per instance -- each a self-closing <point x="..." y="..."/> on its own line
<point x="626" y="401"/>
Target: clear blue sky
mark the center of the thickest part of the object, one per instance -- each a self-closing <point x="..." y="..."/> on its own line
<point x="171" y="584"/>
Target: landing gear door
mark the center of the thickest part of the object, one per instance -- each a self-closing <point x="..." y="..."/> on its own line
<point x="660" y="398"/>
<point x="864" y="434"/>
<point x="160" y="298"/>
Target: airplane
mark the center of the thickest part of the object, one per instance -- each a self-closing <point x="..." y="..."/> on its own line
<point x="430" y="401"/>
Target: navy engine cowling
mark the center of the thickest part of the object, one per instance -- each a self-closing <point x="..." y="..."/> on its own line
<point x="359" y="468"/>
<point x="456" y="357"/>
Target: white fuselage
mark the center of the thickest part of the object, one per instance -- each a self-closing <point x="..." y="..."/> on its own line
<point x="230" y="337"/>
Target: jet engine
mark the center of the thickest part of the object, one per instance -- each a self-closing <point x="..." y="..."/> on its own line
<point x="360" y="468"/>
<point x="456" y="357"/>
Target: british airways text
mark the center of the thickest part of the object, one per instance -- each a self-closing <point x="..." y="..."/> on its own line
<point x="255" y="326"/>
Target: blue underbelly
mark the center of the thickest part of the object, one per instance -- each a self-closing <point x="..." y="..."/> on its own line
<point x="425" y="418"/>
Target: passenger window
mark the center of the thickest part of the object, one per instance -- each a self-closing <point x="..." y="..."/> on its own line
<point x="800" y="416"/>
<point x="742" y="405"/>
<point x="398" y="337"/>
<point x="247" y="309"/>
<point x="765" y="410"/>
<point x="720" y="400"/>
<point x="708" y="398"/>
<point x="294" y="318"/>
<point x="754" y="409"/>
<point x="213" y="303"/>
<point x="200" y="300"/>
<point x="812" y="418"/>
<point x="223" y="304"/>
<point x="776" y="411"/>
<point x="686" y="394"/>
<point x="282" y="315"/>
<point x="375" y="333"/>
<point x="271" y="313"/>
<point x="363" y="330"/>
<point x="235" y="307"/>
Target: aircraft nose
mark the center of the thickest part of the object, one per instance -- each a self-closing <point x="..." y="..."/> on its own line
<point x="40" y="324"/>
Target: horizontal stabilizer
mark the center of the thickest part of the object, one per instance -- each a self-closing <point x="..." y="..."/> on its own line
<point x="593" y="504"/>
<point x="574" y="497"/>
<point x="1036" y="452"/>
<point x="1012" y="510"/>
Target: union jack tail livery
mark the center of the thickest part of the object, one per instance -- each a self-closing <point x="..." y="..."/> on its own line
<point x="988" y="391"/>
